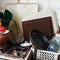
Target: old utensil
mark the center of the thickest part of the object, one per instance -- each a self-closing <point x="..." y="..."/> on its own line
<point x="4" y="37"/>
<point x="39" y="40"/>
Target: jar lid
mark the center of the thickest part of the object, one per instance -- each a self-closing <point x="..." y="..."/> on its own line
<point x="7" y="31"/>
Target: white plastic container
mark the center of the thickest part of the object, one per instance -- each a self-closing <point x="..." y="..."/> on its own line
<point x="46" y="55"/>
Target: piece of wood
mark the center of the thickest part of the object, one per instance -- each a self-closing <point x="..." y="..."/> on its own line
<point x="42" y="24"/>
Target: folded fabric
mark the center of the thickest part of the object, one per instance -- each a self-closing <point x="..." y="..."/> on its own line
<point x="6" y="18"/>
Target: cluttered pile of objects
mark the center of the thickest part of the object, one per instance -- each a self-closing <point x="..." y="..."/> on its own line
<point x="11" y="38"/>
<point x="40" y="38"/>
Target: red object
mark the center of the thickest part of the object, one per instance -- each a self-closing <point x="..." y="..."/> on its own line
<point x="2" y="29"/>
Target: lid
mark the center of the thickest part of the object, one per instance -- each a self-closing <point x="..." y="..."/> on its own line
<point x="7" y="31"/>
<point x="38" y="39"/>
<point x="14" y="32"/>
